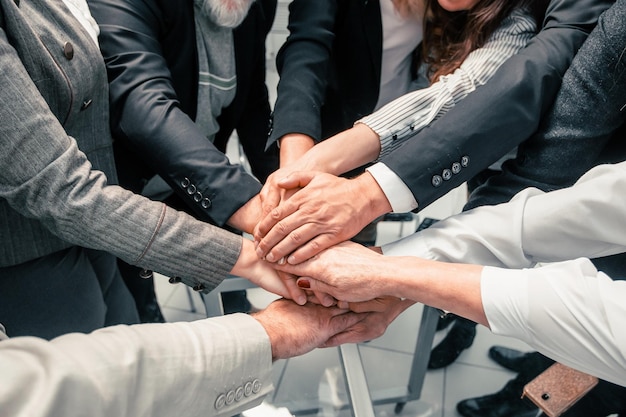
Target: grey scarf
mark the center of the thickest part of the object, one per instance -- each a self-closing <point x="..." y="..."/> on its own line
<point x="217" y="81"/>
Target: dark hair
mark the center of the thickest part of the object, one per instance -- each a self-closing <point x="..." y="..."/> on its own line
<point x="449" y="37"/>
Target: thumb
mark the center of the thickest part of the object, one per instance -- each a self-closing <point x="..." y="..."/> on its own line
<point x="297" y="179"/>
<point x="310" y="284"/>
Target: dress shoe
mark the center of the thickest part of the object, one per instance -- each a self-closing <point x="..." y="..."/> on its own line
<point x="508" y="358"/>
<point x="444" y="321"/>
<point x="500" y="404"/>
<point x="459" y="338"/>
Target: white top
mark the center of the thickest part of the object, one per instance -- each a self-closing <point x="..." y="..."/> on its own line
<point x="215" y="367"/>
<point x="81" y="12"/>
<point x="399" y="120"/>
<point x="401" y="35"/>
<point x="567" y="310"/>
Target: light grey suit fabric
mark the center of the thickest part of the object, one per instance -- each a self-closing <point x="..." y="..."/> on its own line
<point x="54" y="108"/>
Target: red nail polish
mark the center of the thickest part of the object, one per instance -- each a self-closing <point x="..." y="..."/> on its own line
<point x="303" y="283"/>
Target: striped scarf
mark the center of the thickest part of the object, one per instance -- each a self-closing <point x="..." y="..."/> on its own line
<point x="217" y="81"/>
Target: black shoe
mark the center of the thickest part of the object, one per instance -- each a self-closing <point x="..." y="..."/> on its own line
<point x="445" y="321"/>
<point x="459" y="338"/>
<point x="500" y="404"/>
<point x="511" y="359"/>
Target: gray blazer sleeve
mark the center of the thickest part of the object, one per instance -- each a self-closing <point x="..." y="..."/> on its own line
<point x="44" y="175"/>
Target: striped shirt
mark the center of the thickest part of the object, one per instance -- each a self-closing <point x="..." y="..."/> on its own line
<point x="399" y="120"/>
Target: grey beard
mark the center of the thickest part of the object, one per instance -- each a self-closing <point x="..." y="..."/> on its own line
<point x="225" y="13"/>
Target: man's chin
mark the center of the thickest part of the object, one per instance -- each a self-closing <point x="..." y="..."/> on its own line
<point x="225" y="13"/>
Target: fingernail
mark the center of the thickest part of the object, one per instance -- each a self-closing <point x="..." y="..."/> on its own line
<point x="256" y="244"/>
<point x="301" y="300"/>
<point x="259" y="253"/>
<point x="269" y="257"/>
<point x="328" y="301"/>
<point x="292" y="260"/>
<point x="343" y="304"/>
<point x="304" y="283"/>
<point x="281" y="261"/>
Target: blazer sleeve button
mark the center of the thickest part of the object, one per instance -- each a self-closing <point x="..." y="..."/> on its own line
<point x="220" y="402"/>
<point x="206" y="203"/>
<point x="230" y="397"/>
<point x="446" y="174"/>
<point x="239" y="394"/>
<point x="436" y="180"/>
<point x="247" y="389"/>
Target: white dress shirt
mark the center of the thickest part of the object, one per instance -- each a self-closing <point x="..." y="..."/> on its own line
<point x="214" y="367"/>
<point x="81" y="12"/>
<point x="399" y="120"/>
<point x="566" y="309"/>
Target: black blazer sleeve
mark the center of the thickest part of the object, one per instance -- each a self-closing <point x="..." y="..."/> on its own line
<point x="146" y="112"/>
<point x="303" y="64"/>
<point x="499" y="115"/>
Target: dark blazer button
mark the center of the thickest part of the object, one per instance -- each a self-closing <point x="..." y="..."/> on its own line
<point x="191" y="189"/>
<point x="446" y="174"/>
<point x="436" y="180"/>
<point x="85" y="104"/>
<point x="394" y="137"/>
<point x="456" y="168"/>
<point x="175" y="280"/>
<point x="198" y="287"/>
<point x="197" y="197"/>
<point x="465" y="161"/>
<point x="68" y="50"/>
<point x="185" y="182"/>
<point x="206" y="203"/>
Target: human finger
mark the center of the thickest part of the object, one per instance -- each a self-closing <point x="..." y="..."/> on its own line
<point x="288" y="235"/>
<point x="296" y="293"/>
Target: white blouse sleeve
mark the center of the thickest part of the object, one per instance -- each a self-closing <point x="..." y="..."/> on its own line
<point x="403" y="117"/>
<point x="568" y="311"/>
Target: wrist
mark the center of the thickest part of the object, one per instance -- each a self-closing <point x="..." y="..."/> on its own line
<point x="246" y="261"/>
<point x="293" y="146"/>
<point x="375" y="204"/>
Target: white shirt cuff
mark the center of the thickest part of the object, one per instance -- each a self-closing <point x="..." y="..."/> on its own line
<point x="398" y="194"/>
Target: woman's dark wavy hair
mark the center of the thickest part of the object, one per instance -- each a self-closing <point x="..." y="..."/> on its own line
<point x="449" y="37"/>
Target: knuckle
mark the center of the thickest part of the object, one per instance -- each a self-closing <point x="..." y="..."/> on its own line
<point x="276" y="213"/>
<point x="295" y="236"/>
<point x="281" y="227"/>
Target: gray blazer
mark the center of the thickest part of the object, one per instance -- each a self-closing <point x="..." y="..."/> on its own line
<point x="53" y="90"/>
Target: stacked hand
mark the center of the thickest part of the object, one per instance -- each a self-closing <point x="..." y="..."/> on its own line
<point x="323" y="211"/>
